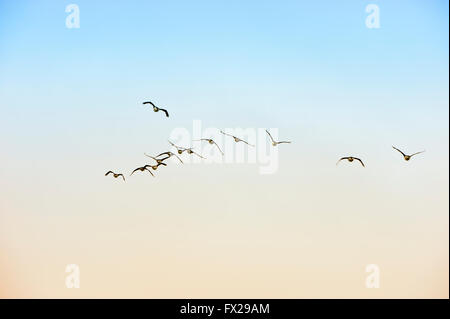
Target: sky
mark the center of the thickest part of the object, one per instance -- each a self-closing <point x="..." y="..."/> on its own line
<point x="71" y="109"/>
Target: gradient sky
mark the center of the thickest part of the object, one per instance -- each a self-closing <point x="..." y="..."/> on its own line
<point x="71" y="110"/>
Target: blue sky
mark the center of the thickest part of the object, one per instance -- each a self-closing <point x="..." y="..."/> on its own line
<point x="252" y="64"/>
<point x="308" y="68"/>
<point x="222" y="43"/>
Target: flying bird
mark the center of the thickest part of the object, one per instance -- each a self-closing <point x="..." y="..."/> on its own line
<point x="115" y="175"/>
<point x="143" y="168"/>
<point x="236" y="139"/>
<point x="157" y="109"/>
<point x="154" y="167"/>
<point x="351" y="159"/>
<point x="210" y="141"/>
<point x="158" y="160"/>
<point x="180" y="149"/>
<point x="169" y="154"/>
<point x="407" y="157"/>
<point x="275" y="143"/>
<point x="190" y="151"/>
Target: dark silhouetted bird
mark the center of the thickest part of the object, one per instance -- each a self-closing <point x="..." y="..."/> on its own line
<point x="115" y="175"/>
<point x="407" y="157"/>
<point x="351" y="159"/>
<point x="157" y="109"/>
<point x="158" y="160"/>
<point x="143" y="168"/>
<point x="169" y="154"/>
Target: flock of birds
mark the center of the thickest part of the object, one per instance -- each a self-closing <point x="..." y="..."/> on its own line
<point x="160" y="158"/>
<point x="352" y="158"/>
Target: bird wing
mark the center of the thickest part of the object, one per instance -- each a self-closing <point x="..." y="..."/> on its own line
<point x="286" y="142"/>
<point x="163" y="159"/>
<point x="159" y="160"/>
<point x="149" y="170"/>
<point x="226" y="134"/>
<point x="360" y="161"/>
<point x="150" y="156"/>
<point x="218" y="147"/>
<point x="135" y="170"/>
<point x="398" y="150"/>
<point x="342" y="158"/>
<point x="270" y="135"/>
<point x="165" y="153"/>
<point x="148" y="102"/>
<point x="178" y="158"/>
<point x="165" y="111"/>
<point x="197" y="154"/>
<point x="246" y="143"/>
<point x="177" y="147"/>
<point x="109" y="172"/>
<point x="416" y="153"/>
<point x="122" y="176"/>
